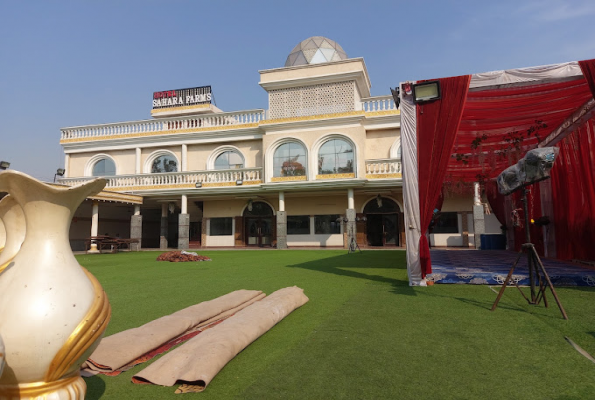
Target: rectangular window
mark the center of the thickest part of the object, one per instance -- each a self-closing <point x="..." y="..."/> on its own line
<point x="221" y="226"/>
<point x="327" y="224"/>
<point x="448" y="222"/>
<point x="298" y="225"/>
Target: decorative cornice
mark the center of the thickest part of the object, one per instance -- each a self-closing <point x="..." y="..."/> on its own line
<point x="335" y="176"/>
<point x="289" y="178"/>
<point x="159" y="133"/>
<point x="383" y="176"/>
<point x="311" y="117"/>
<point x="182" y="186"/>
<point x="158" y="110"/>
<point x="382" y="113"/>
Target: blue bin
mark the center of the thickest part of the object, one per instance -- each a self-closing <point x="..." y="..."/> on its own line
<point x="492" y="242"/>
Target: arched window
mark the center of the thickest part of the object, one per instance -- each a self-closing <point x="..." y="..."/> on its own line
<point x="335" y="157"/>
<point x="289" y="160"/>
<point x="104" y="167"/>
<point x="164" y="163"/>
<point x="229" y="160"/>
<point x="400" y="152"/>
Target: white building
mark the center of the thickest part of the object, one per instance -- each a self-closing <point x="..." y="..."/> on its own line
<point x="320" y="166"/>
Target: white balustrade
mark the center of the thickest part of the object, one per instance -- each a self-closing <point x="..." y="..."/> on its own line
<point x="157" y="180"/>
<point x="386" y="166"/>
<point x="163" y="124"/>
<point x="379" y="103"/>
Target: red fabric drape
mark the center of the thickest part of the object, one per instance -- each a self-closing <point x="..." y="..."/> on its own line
<point x="437" y="126"/>
<point x="497" y="112"/>
<point x="573" y="192"/>
<point x="496" y="201"/>
<point x="588" y="70"/>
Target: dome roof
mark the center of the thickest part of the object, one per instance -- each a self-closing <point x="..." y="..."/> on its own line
<point x="315" y="50"/>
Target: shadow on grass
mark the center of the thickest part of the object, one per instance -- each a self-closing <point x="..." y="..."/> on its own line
<point x="341" y="265"/>
<point x="95" y="387"/>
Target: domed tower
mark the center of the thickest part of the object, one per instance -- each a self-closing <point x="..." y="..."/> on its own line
<point x="318" y="79"/>
<point x="315" y="50"/>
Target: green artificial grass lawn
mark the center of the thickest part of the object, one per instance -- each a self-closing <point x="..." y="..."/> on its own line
<point x="364" y="334"/>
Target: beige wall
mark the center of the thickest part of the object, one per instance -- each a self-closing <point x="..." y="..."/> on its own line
<point x="458" y="203"/>
<point x="310" y="138"/>
<point x="198" y="154"/>
<point x="146" y="152"/>
<point x="378" y="143"/>
<point x="125" y="162"/>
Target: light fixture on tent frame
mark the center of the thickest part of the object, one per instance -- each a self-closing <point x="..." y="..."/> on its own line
<point x="532" y="168"/>
<point x="426" y="91"/>
<point x="4" y="165"/>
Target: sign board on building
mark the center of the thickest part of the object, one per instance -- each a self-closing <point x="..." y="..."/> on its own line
<point x="182" y="97"/>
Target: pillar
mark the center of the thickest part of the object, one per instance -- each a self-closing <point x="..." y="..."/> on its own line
<point x="350" y="214"/>
<point x="184" y="157"/>
<point x="137" y="168"/>
<point x="94" y="226"/>
<point x="478" y="217"/>
<point x="184" y="225"/>
<point x="164" y="223"/>
<point x="281" y="223"/>
<point x="66" y="165"/>
<point x="136" y="228"/>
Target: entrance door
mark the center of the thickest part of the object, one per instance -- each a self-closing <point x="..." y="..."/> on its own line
<point x="258" y="224"/>
<point x="259" y="231"/>
<point x="382" y="229"/>
<point x="382" y="225"/>
<point x="390" y="225"/>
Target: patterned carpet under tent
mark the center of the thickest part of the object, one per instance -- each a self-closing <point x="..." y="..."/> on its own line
<point x="490" y="267"/>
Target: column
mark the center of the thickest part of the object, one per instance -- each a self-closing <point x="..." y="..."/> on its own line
<point x="136" y="228"/>
<point x="184" y="225"/>
<point x="184" y="157"/>
<point x="350" y="224"/>
<point x="94" y="226"/>
<point x="478" y="216"/>
<point x="137" y="168"/>
<point x="281" y="223"/>
<point x="66" y="165"/>
<point x="164" y="223"/>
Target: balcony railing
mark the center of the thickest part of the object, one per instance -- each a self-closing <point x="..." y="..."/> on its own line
<point x="190" y="123"/>
<point x="169" y="125"/>
<point x="378" y="103"/>
<point x="384" y="168"/>
<point x="168" y="180"/>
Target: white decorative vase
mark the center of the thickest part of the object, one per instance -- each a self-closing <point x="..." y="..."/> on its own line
<point x="52" y="311"/>
<point x="13" y="219"/>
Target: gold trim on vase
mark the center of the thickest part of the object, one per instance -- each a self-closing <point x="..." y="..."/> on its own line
<point x="74" y="386"/>
<point x="336" y="176"/>
<point x="289" y="178"/>
<point x="4" y="266"/>
<point x="88" y="331"/>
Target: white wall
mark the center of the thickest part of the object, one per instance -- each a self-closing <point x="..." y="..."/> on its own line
<point x="315" y="240"/>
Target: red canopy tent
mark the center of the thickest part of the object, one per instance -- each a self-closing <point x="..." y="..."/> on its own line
<point x="482" y="124"/>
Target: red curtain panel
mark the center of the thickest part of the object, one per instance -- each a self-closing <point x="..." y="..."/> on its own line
<point x="437" y="125"/>
<point x="573" y="191"/>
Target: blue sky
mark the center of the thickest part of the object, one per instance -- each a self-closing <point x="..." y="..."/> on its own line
<point x="69" y="63"/>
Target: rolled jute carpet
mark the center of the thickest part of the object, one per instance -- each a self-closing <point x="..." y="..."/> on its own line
<point x="196" y="362"/>
<point x="119" y="350"/>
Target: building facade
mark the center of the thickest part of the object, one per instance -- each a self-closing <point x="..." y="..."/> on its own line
<point x="320" y="167"/>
